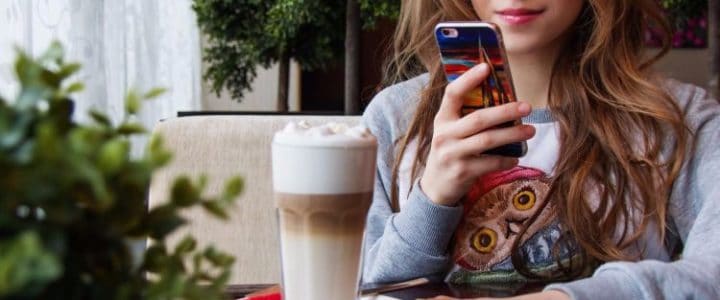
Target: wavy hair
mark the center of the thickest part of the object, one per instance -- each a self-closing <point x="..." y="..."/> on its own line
<point x="613" y="115"/>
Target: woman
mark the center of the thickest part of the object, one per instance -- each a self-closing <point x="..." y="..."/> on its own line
<point x="616" y="195"/>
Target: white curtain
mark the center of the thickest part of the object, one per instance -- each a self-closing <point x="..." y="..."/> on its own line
<point x="122" y="44"/>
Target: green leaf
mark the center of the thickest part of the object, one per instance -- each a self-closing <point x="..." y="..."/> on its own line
<point x="75" y="87"/>
<point x="132" y="102"/>
<point x="68" y="70"/>
<point x="88" y="174"/>
<point x="185" y="246"/>
<point x="155" y="257"/>
<point x="154" y="93"/>
<point x="100" y="118"/>
<point x="156" y="153"/>
<point x="162" y="221"/>
<point x="131" y="128"/>
<point x="183" y="193"/>
<point x="26" y="267"/>
<point x="54" y="52"/>
<point x="113" y="155"/>
<point x="233" y="188"/>
<point x="202" y="182"/>
<point x="218" y="258"/>
<point x="216" y="209"/>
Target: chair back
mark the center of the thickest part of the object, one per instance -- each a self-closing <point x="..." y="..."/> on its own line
<point x="221" y="147"/>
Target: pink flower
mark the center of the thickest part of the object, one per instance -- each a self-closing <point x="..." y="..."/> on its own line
<point x="699" y="42"/>
<point x="703" y="23"/>
<point x="690" y="35"/>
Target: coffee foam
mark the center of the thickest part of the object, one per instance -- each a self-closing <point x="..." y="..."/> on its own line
<point x="329" y="134"/>
<point x="325" y="160"/>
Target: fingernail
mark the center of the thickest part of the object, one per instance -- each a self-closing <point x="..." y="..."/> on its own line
<point x="530" y="130"/>
<point x="482" y="67"/>
<point x="524" y="108"/>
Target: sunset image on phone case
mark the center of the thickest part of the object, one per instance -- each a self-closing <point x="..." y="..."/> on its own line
<point x="470" y="47"/>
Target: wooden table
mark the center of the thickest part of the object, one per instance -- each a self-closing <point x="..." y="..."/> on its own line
<point x="425" y="291"/>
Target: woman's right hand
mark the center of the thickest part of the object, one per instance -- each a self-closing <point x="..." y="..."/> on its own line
<point x="455" y="160"/>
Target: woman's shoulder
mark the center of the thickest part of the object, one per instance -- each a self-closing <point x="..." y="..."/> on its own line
<point x="688" y="96"/>
<point x="696" y="103"/>
<point x="392" y="108"/>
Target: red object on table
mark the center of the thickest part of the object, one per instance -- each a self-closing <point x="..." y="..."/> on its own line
<point x="271" y="293"/>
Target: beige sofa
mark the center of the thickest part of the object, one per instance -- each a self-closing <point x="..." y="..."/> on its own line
<point x="220" y="147"/>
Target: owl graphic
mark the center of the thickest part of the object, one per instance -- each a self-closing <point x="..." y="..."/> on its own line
<point x="497" y="208"/>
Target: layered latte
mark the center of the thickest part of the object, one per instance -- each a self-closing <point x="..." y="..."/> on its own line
<point x="323" y="180"/>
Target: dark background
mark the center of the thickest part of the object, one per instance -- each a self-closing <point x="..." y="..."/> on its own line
<point x="324" y="90"/>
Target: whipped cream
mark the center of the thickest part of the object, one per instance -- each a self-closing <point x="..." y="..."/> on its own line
<point x="329" y="134"/>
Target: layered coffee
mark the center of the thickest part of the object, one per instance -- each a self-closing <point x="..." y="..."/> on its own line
<point x="323" y="180"/>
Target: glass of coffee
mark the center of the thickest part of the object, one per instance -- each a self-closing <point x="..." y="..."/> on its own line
<point x="323" y="181"/>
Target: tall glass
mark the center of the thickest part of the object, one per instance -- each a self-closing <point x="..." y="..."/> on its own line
<point x="323" y="182"/>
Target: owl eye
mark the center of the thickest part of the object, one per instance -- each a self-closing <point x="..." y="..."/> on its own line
<point x="524" y="200"/>
<point x="484" y="240"/>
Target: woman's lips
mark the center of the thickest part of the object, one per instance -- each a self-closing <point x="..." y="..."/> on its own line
<point x="518" y="16"/>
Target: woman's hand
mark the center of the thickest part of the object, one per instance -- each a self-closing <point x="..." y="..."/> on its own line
<point x="455" y="160"/>
<point x="546" y="295"/>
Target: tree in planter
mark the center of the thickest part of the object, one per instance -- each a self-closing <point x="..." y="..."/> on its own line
<point x="244" y="34"/>
<point x="370" y="11"/>
<point x="72" y="198"/>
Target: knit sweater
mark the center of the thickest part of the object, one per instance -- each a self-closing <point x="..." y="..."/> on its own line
<point x="471" y="242"/>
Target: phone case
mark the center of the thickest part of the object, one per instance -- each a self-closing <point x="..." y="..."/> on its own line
<point x="472" y="43"/>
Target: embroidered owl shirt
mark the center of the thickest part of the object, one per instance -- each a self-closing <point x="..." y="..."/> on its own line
<point x="498" y="206"/>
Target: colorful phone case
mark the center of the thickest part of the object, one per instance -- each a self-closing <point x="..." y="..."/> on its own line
<point x="470" y="44"/>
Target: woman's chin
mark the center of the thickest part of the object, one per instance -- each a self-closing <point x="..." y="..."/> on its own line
<point x="519" y="47"/>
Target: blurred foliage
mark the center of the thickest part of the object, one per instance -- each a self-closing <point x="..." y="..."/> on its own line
<point x="72" y="200"/>
<point x="244" y="34"/>
<point x="685" y="9"/>
<point x="689" y="21"/>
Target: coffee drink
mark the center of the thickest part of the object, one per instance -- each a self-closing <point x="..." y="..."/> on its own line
<point x="323" y="181"/>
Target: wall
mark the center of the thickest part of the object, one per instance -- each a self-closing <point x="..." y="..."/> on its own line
<point x="687" y="65"/>
<point x="262" y="97"/>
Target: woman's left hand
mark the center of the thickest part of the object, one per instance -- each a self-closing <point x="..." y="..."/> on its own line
<point x="546" y="295"/>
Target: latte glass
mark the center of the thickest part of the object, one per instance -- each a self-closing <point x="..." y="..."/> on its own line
<point x="323" y="182"/>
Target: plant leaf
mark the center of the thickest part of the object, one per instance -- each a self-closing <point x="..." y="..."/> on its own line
<point x="154" y="93"/>
<point x="113" y="156"/>
<point x="183" y="193"/>
<point x="216" y="209"/>
<point x="75" y="87"/>
<point x="100" y="118"/>
<point x="68" y="70"/>
<point x="233" y="188"/>
<point x="132" y="102"/>
<point x="26" y="265"/>
<point x="186" y="246"/>
<point x="131" y="128"/>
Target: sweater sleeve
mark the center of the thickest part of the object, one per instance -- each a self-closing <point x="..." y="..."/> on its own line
<point x="695" y="210"/>
<point x="412" y="243"/>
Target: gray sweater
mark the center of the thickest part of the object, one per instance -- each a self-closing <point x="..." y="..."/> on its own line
<point x="418" y="241"/>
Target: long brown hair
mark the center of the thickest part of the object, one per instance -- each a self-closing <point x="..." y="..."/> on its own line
<point x="613" y="114"/>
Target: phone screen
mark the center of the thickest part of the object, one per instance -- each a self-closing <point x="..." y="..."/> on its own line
<point x="463" y="46"/>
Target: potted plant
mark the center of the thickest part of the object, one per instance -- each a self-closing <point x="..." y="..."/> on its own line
<point x="72" y="198"/>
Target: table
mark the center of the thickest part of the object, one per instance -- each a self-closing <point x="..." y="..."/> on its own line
<point x="425" y="291"/>
<point x="465" y="291"/>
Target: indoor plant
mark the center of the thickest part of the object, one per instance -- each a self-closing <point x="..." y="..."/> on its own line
<point x="72" y="198"/>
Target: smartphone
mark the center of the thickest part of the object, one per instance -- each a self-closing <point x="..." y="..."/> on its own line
<point x="465" y="44"/>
